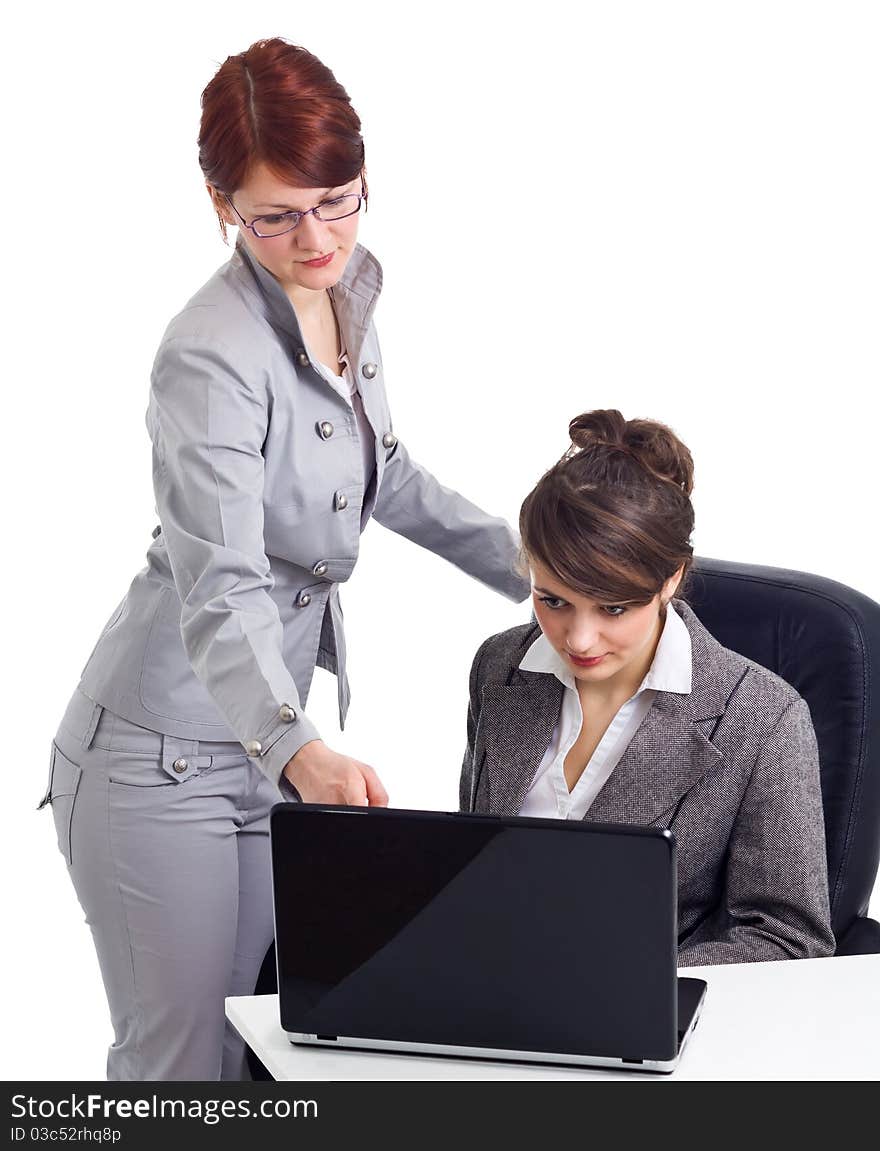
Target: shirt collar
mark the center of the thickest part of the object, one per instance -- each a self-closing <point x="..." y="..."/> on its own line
<point x="670" y="670"/>
<point x="354" y="295"/>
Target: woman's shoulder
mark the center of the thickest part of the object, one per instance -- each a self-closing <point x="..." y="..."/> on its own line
<point x="720" y="671"/>
<point x="500" y="653"/>
<point x="217" y="314"/>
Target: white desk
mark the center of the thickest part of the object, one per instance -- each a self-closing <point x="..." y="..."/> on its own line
<point x="801" y="1019"/>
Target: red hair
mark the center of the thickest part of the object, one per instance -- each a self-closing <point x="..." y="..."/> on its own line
<point x="278" y="104"/>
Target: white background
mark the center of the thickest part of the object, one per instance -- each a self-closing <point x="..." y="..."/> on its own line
<point x="665" y="207"/>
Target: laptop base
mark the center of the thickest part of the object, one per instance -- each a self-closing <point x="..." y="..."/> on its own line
<point x="691" y="995"/>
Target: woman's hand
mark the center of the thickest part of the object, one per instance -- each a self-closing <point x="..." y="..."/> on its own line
<point x="322" y="775"/>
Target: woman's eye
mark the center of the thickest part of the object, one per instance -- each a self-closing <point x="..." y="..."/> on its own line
<point x="613" y="609"/>
<point x="270" y="220"/>
<point x="552" y="601"/>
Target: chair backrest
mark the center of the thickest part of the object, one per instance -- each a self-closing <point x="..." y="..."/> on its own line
<point x="824" y="639"/>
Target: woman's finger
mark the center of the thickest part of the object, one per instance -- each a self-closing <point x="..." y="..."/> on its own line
<point x="377" y="796"/>
<point x="355" y="794"/>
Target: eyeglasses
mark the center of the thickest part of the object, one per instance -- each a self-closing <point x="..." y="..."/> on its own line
<point x="279" y="223"/>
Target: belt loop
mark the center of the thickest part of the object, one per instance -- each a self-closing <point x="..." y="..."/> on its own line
<point x="94" y="720"/>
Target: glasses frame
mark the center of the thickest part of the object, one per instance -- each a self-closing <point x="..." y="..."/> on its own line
<point x="361" y="199"/>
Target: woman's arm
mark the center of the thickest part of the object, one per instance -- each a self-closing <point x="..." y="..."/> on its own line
<point x="468" y="767"/>
<point x="412" y="503"/>
<point x="208" y="420"/>
<point x="776" y="893"/>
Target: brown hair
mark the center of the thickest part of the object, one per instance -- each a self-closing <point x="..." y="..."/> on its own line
<point x="613" y="518"/>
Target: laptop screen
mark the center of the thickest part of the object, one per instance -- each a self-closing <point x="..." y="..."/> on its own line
<point x="521" y="934"/>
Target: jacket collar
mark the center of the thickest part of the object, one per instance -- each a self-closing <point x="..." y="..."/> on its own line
<point x="668" y="754"/>
<point x="670" y="668"/>
<point x="354" y="295"/>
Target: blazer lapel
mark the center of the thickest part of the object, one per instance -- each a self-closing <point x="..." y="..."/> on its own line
<point x="671" y="750"/>
<point x="666" y="757"/>
<point x="516" y="724"/>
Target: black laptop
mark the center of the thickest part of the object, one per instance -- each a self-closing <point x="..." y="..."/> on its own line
<point x="467" y="935"/>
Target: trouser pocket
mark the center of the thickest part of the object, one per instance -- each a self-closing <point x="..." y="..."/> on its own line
<point x="64" y="777"/>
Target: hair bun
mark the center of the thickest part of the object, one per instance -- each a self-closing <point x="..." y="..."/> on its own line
<point x="591" y="429"/>
<point x="651" y="445"/>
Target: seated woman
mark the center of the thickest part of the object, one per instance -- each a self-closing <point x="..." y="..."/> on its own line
<point x="618" y="706"/>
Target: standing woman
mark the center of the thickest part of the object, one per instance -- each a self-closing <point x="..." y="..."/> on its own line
<point x="272" y="448"/>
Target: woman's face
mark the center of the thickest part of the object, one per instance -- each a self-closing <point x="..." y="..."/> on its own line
<point x="287" y="256"/>
<point x="599" y="642"/>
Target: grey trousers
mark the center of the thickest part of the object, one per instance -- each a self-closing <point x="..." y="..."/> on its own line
<point x="167" y="844"/>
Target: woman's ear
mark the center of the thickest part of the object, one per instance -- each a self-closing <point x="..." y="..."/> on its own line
<point x="218" y="200"/>
<point x="221" y="208"/>
<point x="671" y="586"/>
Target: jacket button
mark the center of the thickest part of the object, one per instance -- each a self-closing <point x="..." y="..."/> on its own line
<point x="302" y="359"/>
<point x="389" y="440"/>
<point x="340" y="501"/>
<point x="157" y="530"/>
<point x="369" y="370"/>
<point x="303" y="600"/>
<point x="287" y="713"/>
<point x="320" y="568"/>
<point x="325" y="429"/>
<point x="180" y="766"/>
<point x="254" y="747"/>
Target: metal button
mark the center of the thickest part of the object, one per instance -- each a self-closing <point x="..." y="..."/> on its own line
<point x="369" y="370"/>
<point x="303" y="600"/>
<point x="389" y="440"/>
<point x="302" y="359"/>
<point x="254" y="747"/>
<point x="180" y="766"/>
<point x="287" y="713"/>
<point x="325" y="429"/>
<point x="340" y="501"/>
<point x="157" y="530"/>
<point x="320" y="568"/>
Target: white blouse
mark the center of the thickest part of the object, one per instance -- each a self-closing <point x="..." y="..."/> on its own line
<point x="549" y="797"/>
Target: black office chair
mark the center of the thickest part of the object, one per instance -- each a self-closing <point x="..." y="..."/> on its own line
<point x="824" y="639"/>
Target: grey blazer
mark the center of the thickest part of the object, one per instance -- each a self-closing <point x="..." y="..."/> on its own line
<point x="259" y="480"/>
<point x="732" y="769"/>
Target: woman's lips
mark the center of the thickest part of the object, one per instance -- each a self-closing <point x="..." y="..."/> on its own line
<point x="586" y="662"/>
<point x="321" y="261"/>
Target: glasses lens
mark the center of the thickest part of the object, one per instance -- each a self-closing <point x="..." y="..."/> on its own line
<point x="275" y="225"/>
<point x="342" y="206"/>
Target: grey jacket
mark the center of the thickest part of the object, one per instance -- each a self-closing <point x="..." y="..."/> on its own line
<point x="259" y="481"/>
<point x="732" y="769"/>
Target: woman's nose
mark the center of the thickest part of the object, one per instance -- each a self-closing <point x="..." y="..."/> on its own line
<point x="581" y="638"/>
<point x="311" y="234"/>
